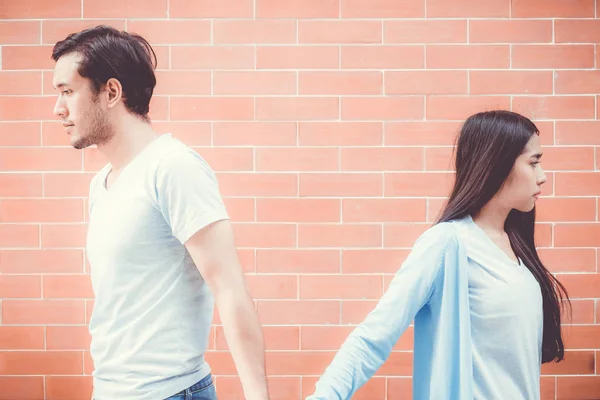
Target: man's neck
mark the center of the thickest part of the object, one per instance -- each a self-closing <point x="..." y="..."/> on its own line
<point x="128" y="141"/>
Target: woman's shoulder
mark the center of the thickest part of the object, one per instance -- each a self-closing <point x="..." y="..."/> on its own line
<point x="443" y="233"/>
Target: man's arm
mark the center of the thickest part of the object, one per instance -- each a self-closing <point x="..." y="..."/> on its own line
<point x="215" y="255"/>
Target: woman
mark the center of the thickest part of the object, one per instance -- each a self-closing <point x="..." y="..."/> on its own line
<point x="486" y="311"/>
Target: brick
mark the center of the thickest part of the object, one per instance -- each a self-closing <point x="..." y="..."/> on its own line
<point x="41" y="210"/>
<point x="510" y="31"/>
<point x="576" y="30"/>
<point x="297" y="159"/>
<point x="355" y="311"/>
<point x="340" y="286"/>
<point x="21" y="338"/>
<point x="366" y="261"/>
<point x="75" y="337"/>
<point x="262" y="185"/>
<point x="298" y="210"/>
<point x="297" y="261"/>
<point x="275" y="337"/>
<point x="339" y="32"/>
<point x="67" y="184"/>
<point x="555" y="107"/>
<point x="42" y="312"/>
<point x="212" y="108"/>
<point x="341" y="185"/>
<point x="41" y="261"/>
<point x="382" y="108"/>
<point x="566" y="209"/>
<point x="297" y="9"/>
<point x="272" y="286"/>
<point x="159" y="108"/>
<point x="20" y="185"/>
<point x="240" y="209"/>
<point x="569" y="260"/>
<point x="211" y="9"/>
<point x="381" y="159"/>
<point x="63" y="235"/>
<point x="580" y="235"/>
<point x="40" y="9"/>
<point x="300" y="363"/>
<point x="383" y="9"/>
<point x="382" y="57"/>
<point x="54" y="30"/>
<point x="265" y="235"/>
<point x="347" y="235"/>
<point x="568" y="158"/>
<point x="398" y="387"/>
<point x="324" y="337"/>
<point x="581" y="285"/>
<point x="228" y="158"/>
<point x="297" y="57"/>
<point x="19" y="32"/>
<point x="19" y="235"/>
<point x="257" y="31"/>
<point x="19" y="133"/>
<point x="582" y="387"/>
<point x="426" y="82"/>
<point x="468" y="8"/>
<point x="340" y="133"/>
<point x="552" y="9"/>
<point x="439" y="158"/>
<point x="254" y="83"/>
<point x="430" y="133"/>
<point x="297" y="108"/>
<point x="461" y="107"/>
<point x="254" y="134"/>
<point x="425" y="31"/>
<point x="467" y="56"/>
<point x="418" y="184"/>
<point x="577" y="133"/>
<point x="582" y="337"/>
<point x="26" y="108"/>
<point x="40" y="363"/>
<point x="511" y="82"/>
<point x="575" y="363"/>
<point x="22" y="387"/>
<point x="172" y="31"/>
<point x="577" y="82"/>
<point x="61" y="387"/>
<point x="212" y="57"/>
<point x="20" y="286"/>
<point x="20" y="82"/>
<point x="125" y="9"/>
<point x="561" y="56"/>
<point x="305" y="312"/>
<point x="67" y="286"/>
<point x="578" y="184"/>
<point x="183" y="82"/>
<point x="191" y="133"/>
<point x="340" y="83"/>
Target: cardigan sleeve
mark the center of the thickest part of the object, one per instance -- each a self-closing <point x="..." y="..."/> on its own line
<point x="370" y="343"/>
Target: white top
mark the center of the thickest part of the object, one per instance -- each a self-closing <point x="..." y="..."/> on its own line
<point x="507" y="321"/>
<point x="153" y="311"/>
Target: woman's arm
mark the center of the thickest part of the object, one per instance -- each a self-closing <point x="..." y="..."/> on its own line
<point x="369" y="345"/>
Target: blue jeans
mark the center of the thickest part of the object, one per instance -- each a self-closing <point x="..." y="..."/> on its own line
<point x="203" y="390"/>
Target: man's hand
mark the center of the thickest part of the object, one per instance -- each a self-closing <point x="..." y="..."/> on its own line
<point x="215" y="255"/>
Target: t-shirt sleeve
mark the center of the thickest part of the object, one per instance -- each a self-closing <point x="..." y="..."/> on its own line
<point x="188" y="194"/>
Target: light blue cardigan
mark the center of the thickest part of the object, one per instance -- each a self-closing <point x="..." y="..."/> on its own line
<point x="431" y="287"/>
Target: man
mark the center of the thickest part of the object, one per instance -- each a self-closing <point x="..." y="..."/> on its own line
<point x="159" y="243"/>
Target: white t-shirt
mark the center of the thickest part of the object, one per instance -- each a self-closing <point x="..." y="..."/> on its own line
<point x="507" y="321"/>
<point x="153" y="311"/>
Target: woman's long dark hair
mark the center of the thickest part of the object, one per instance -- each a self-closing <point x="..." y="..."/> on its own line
<point x="487" y="147"/>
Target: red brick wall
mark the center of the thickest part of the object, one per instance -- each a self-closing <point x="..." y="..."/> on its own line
<point x="329" y="123"/>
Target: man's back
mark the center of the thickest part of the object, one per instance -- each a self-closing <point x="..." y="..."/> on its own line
<point x="153" y="310"/>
